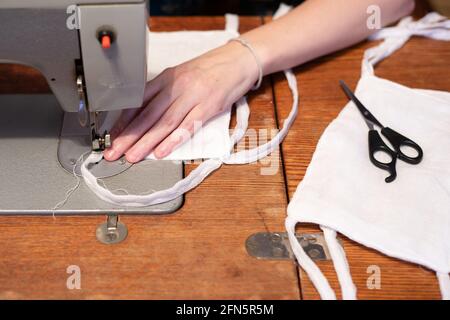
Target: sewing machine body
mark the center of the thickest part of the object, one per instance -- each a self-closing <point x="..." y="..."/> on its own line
<point x="61" y="41"/>
<point x="88" y="77"/>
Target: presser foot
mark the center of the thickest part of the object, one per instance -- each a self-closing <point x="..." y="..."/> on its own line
<point x="76" y="143"/>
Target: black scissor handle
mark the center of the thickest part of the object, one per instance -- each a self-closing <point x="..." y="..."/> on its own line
<point x="376" y="144"/>
<point x="398" y="141"/>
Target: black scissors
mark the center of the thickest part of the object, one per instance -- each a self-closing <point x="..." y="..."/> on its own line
<point x="376" y="143"/>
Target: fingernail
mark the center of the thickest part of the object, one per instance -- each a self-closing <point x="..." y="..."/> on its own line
<point x="162" y="152"/>
<point x="109" y="154"/>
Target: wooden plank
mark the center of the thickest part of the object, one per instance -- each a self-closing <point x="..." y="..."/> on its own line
<point x="197" y="252"/>
<point x="421" y="63"/>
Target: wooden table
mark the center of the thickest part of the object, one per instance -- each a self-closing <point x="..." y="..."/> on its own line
<point x="421" y="63"/>
<point x="199" y="251"/>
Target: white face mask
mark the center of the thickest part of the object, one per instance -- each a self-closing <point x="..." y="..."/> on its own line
<point x="171" y="48"/>
<point x="342" y="191"/>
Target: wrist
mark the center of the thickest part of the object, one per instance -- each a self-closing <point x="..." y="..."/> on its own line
<point x="245" y="62"/>
<point x="256" y="59"/>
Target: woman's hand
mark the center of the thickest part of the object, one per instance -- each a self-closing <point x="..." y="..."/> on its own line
<point x="194" y="91"/>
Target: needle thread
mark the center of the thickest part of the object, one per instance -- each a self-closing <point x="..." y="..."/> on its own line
<point x="70" y="192"/>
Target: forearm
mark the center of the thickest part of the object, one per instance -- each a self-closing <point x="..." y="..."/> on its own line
<point x="318" y="27"/>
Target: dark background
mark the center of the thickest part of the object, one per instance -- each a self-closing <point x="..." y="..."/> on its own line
<point x="214" y="7"/>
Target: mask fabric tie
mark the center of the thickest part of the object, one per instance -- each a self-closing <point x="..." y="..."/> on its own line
<point x="231" y="23"/>
<point x="316" y="276"/>
<point x="444" y="285"/>
<point x="252" y="155"/>
<point x="242" y="117"/>
<point x="433" y="26"/>
<point x="340" y="263"/>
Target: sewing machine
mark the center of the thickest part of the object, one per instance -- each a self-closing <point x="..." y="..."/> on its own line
<point x="93" y="55"/>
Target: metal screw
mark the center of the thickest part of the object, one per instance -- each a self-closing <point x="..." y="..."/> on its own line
<point x="276" y="237"/>
<point x="314" y="253"/>
<point x="111" y="231"/>
<point x="112" y="236"/>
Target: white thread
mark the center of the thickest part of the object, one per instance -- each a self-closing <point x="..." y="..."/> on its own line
<point x="246" y="44"/>
<point x="71" y="190"/>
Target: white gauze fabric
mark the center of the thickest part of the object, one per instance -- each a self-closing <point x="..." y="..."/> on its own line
<point x="342" y="191"/>
<point x="214" y="162"/>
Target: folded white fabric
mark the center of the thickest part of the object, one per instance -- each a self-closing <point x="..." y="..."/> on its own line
<point x="342" y="191"/>
<point x="169" y="49"/>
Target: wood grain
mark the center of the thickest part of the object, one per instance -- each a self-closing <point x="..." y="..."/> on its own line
<point x="421" y="63"/>
<point x="197" y="252"/>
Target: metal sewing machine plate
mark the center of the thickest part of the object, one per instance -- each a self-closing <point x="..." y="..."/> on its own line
<point x="32" y="180"/>
<point x="75" y="141"/>
<point x="275" y="246"/>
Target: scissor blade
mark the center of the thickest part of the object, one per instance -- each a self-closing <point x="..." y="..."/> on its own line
<point x="368" y="117"/>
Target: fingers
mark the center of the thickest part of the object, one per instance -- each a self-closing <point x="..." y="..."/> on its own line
<point x="181" y="100"/>
<point x="140" y="124"/>
<point x="125" y="118"/>
<point x="151" y="89"/>
<point x="180" y="135"/>
<point x="194" y="121"/>
<point x="168" y="122"/>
